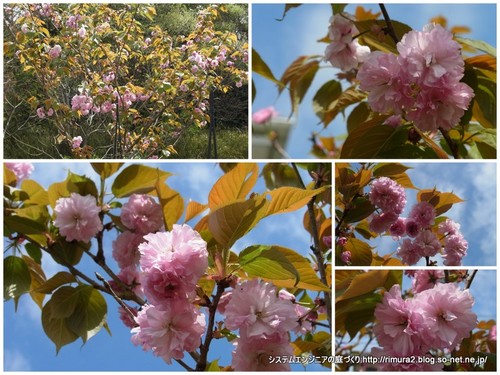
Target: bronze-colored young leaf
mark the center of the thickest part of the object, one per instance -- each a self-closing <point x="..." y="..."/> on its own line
<point x="353" y="314"/>
<point x="325" y="97"/>
<point x="171" y="203"/>
<point x="73" y="184"/>
<point x="287" y="8"/>
<point x="279" y="174"/>
<point x="389" y="169"/>
<point x="104" y="170"/>
<point x="37" y="279"/>
<point x="232" y="221"/>
<point x="137" y="179"/>
<point x="361" y="252"/>
<point x="259" y="66"/>
<point x="288" y="199"/>
<point x="442" y="202"/>
<point x="27" y="227"/>
<point x="348" y="97"/>
<point x="194" y="209"/>
<point x="234" y="185"/>
<point x="368" y="140"/>
<point x="9" y="178"/>
<point x="364" y="283"/>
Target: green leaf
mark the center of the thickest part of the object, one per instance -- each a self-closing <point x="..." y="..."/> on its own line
<point x="56" y="328"/>
<point x="368" y="140"/>
<point x="358" y="116"/>
<point x="353" y="314"/>
<point x="477" y="44"/>
<point x="287" y="8"/>
<point x="231" y="222"/>
<point x="89" y="314"/>
<point x="137" y="179"/>
<point x="37" y="194"/>
<point x="325" y="96"/>
<point x="348" y="97"/>
<point x="9" y="178"/>
<point x="16" y="278"/>
<point x="233" y="185"/>
<point x="34" y="252"/>
<point x="214" y="366"/>
<point x="361" y="209"/>
<point x="260" y="67"/>
<point x="59" y="279"/>
<point x="288" y="199"/>
<point x="104" y="170"/>
<point x="73" y="184"/>
<point x="64" y="252"/>
<point x="338" y="8"/>
<point x="277" y="175"/>
<point x="26" y="227"/>
<point x="268" y="263"/>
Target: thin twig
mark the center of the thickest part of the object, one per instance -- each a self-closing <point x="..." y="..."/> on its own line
<point x="202" y="360"/>
<point x="316" y="247"/>
<point x="183" y="364"/>
<point x="113" y="294"/>
<point x="390" y="26"/>
<point x="471" y="278"/>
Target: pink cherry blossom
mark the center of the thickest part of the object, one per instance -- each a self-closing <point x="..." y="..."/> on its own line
<point x="493" y="333"/>
<point x="399" y="327"/>
<point x="82" y="103"/>
<point x="398" y="228"/>
<point x="423" y="213"/>
<point x="387" y="195"/>
<point x="126" y="318"/>
<point x="142" y="214"/>
<point x="264" y="115"/>
<point x="408" y="252"/>
<point x="426" y="279"/>
<point x="125" y="249"/>
<point x="77" y="217"/>
<point x="447" y="311"/>
<point x="255" y="308"/>
<point x="382" y="222"/>
<point x="55" y="51"/>
<point x="261" y="353"/>
<point x="427" y="243"/>
<point x="455" y="248"/>
<point x="82" y="32"/>
<point x="40" y="112"/>
<point x="21" y="170"/>
<point x="76" y="142"/>
<point x="448" y="227"/>
<point x="345" y="256"/>
<point x="412" y="228"/>
<point x="169" y="330"/>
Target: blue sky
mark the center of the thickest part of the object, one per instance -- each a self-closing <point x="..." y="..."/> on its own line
<point x="280" y="43"/>
<point x="26" y="348"/>
<point x="475" y="183"/>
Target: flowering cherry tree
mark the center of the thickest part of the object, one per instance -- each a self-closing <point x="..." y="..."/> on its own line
<point x="369" y="204"/>
<point x="429" y="327"/>
<point x="405" y="93"/>
<point x="176" y="286"/>
<point x="111" y="81"/>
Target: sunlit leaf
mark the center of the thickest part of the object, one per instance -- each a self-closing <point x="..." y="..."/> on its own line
<point x="104" y="170"/>
<point x="37" y="194"/>
<point x="389" y="169"/>
<point x="137" y="179"/>
<point x="234" y="185"/>
<point x="194" y="209"/>
<point x="260" y="67"/>
<point x="56" y="327"/>
<point x="171" y="202"/>
<point x="288" y="199"/>
<point x="478" y="44"/>
<point x="361" y="252"/>
<point x="37" y="279"/>
<point x="59" y="279"/>
<point x="16" y="278"/>
<point x="364" y="283"/>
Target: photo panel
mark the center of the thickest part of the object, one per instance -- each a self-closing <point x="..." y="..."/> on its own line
<point x="190" y="266"/>
<point x="415" y="320"/>
<point x="374" y="81"/>
<point x="415" y="214"/>
<point x="125" y="81"/>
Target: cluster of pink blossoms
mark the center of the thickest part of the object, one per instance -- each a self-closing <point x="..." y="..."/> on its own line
<point x="82" y="103"/>
<point x="438" y="318"/>
<point x="344" y="52"/>
<point x="422" y="83"/>
<point x="388" y="196"/>
<point x="264" y="318"/>
<point x="21" y="170"/>
<point x="77" y="217"/>
<point x="171" y="265"/>
<point x="141" y="215"/>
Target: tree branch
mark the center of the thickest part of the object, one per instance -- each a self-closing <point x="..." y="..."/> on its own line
<point x="316" y="247"/>
<point x="212" y="308"/>
<point x="390" y="26"/>
<point x="470" y="279"/>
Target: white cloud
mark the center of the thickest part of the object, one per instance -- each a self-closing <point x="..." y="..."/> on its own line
<point x="16" y="361"/>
